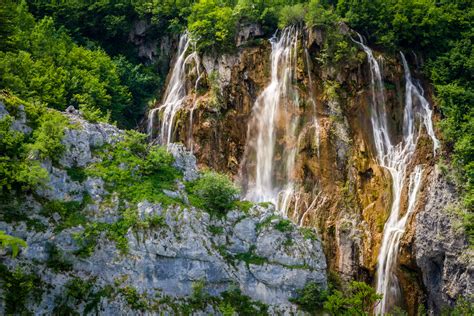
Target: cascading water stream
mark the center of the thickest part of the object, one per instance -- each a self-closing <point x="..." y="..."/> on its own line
<point x="396" y="158"/>
<point x="275" y="111"/>
<point x="175" y="93"/>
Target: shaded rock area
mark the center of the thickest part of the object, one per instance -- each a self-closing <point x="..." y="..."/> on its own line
<point x="443" y="254"/>
<point x="159" y="262"/>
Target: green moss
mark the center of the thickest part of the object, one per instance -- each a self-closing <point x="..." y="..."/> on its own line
<point x="266" y="222"/>
<point x="11" y="242"/>
<point x="242" y="304"/>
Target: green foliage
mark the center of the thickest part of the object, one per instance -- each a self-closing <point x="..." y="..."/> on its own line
<point x="134" y="299"/>
<point x="250" y="257"/>
<point x="310" y="298"/>
<point x="135" y="170"/>
<point x="358" y="299"/>
<point x="212" y="25"/>
<point x="116" y="231"/>
<point x="79" y="291"/>
<point x="70" y="212"/>
<point x="48" y="135"/>
<point x="230" y="301"/>
<point x="319" y="15"/>
<point x="14" y="243"/>
<point x="77" y="174"/>
<point x="57" y="259"/>
<point x="284" y="225"/>
<point x="20" y="169"/>
<point x="213" y="192"/>
<point x="291" y="15"/>
<point x="216" y="230"/>
<point x="309" y="233"/>
<point x="18" y="287"/>
<point x="463" y="306"/>
<point x="241" y="304"/>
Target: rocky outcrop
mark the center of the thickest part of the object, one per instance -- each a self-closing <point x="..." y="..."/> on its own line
<point x="342" y="189"/>
<point x="168" y="251"/>
<point x="442" y="251"/>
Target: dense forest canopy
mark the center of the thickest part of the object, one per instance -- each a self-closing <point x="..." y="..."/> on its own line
<point x="62" y="53"/>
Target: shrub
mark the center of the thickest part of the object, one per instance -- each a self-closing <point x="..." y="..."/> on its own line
<point x="318" y="15"/>
<point x="135" y="171"/>
<point x="359" y="299"/>
<point x="18" y="287"/>
<point x="215" y="192"/>
<point x="212" y="25"/>
<point x="291" y="15"/>
<point x="7" y="241"/>
<point x="284" y="225"/>
<point x="311" y="298"/>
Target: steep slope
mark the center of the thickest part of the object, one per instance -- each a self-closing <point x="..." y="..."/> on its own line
<point x="93" y="249"/>
<point x="339" y="184"/>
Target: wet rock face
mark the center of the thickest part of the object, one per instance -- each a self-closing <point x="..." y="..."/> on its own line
<point x="246" y="250"/>
<point x="442" y="251"/>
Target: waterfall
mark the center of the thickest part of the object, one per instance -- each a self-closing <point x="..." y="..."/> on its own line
<point x="175" y="93"/>
<point x="396" y="158"/>
<point x="275" y="116"/>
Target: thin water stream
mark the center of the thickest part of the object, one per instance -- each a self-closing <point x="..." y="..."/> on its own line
<point x="396" y="159"/>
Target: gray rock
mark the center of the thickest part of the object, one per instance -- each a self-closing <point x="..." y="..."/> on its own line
<point x="80" y="141"/>
<point x="441" y="247"/>
<point x="248" y="32"/>
<point x="163" y="261"/>
<point x="184" y="161"/>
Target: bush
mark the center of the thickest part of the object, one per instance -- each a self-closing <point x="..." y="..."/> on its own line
<point x="318" y="15"/>
<point x="19" y="287"/>
<point x="291" y="15"/>
<point x="311" y="298"/>
<point x="212" y="25"/>
<point x="136" y="171"/>
<point x="215" y="192"/>
<point x="358" y="299"/>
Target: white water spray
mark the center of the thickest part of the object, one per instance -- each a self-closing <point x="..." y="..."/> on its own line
<point x="396" y="158"/>
<point x="275" y="111"/>
<point x="175" y="93"/>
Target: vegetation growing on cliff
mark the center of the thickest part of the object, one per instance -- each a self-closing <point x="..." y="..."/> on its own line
<point x="358" y="298"/>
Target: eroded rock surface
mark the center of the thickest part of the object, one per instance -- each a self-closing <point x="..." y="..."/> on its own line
<point x="442" y="250"/>
<point x="164" y="259"/>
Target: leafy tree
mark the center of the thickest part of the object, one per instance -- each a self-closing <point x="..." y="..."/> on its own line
<point x="216" y="193"/>
<point x="212" y="25"/>
<point x="291" y="15"/>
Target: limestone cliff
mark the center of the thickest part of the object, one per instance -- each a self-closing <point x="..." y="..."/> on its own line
<point x="342" y="190"/>
<point x="166" y="259"/>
